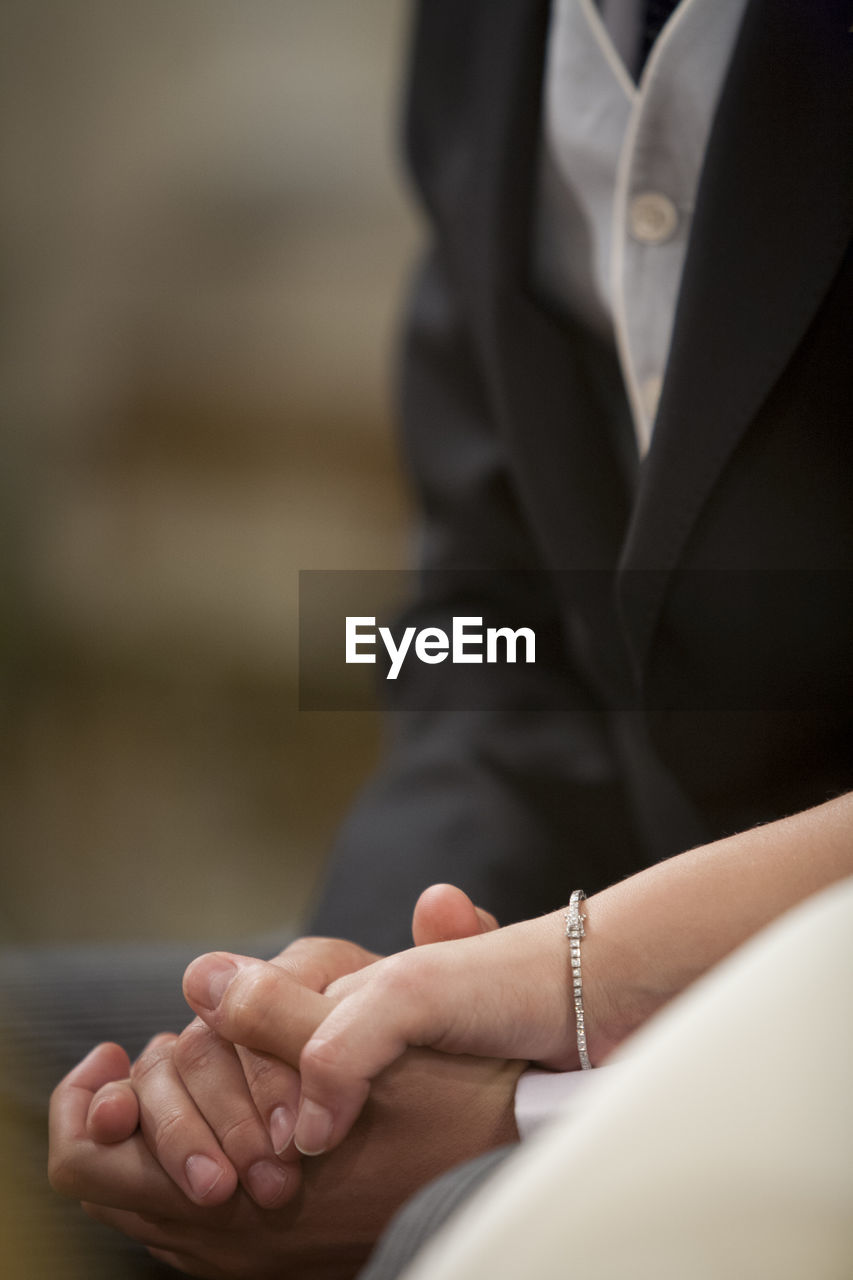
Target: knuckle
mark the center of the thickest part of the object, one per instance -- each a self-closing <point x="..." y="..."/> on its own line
<point x="241" y="1132"/>
<point x="169" y="1129"/>
<point x="317" y="961"/>
<point x="304" y="960"/>
<point x="406" y="989"/>
<point x="263" y="1073"/>
<point x="321" y="1058"/>
<point x="157" y="1052"/>
<point x="306" y="945"/>
<point x="193" y="1049"/>
<point x="62" y="1173"/>
<point x="397" y="978"/>
<point x="248" y="1001"/>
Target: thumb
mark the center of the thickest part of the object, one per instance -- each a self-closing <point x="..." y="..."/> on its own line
<point x="254" y="1004"/>
<point x="113" y="1112"/>
<point x="444" y="913"/>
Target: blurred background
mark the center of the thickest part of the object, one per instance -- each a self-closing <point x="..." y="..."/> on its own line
<point x="205" y="239"/>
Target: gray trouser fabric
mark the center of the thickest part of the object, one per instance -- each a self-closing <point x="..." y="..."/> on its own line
<point x="55" y="1005"/>
<point x="418" y="1220"/>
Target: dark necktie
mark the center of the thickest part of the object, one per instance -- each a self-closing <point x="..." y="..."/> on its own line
<point x="655" y="14"/>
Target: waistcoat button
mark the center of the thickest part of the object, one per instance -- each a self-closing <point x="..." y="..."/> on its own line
<point x="652" y="218"/>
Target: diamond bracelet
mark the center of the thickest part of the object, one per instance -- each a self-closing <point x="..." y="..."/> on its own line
<point x="574" y="932"/>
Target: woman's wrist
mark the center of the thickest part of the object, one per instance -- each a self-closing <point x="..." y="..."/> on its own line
<point x="649" y="937"/>
<point x="615" y="1000"/>
<point x="626" y="976"/>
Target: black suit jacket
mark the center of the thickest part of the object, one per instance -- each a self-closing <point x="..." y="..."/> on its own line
<point x="700" y="604"/>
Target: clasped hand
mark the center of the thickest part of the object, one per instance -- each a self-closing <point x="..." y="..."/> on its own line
<point x="502" y="993"/>
<point x="188" y="1150"/>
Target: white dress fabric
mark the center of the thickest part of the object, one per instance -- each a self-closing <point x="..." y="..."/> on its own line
<point x="721" y="1144"/>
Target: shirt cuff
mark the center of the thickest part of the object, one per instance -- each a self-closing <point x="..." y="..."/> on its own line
<point x="540" y="1095"/>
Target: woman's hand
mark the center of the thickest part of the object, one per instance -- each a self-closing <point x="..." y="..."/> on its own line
<point x="505" y="993"/>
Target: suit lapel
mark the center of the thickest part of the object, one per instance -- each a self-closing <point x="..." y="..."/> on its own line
<point x="773" y="219"/>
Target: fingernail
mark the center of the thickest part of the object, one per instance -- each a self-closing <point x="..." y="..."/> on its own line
<point x="266" y="1182"/>
<point x="206" y="979"/>
<point x="202" y="1175"/>
<point x="281" y="1129"/>
<point x="313" y="1128"/>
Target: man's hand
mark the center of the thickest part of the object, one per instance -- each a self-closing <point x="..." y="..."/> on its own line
<point x="425" y="1114"/>
<point x="214" y="1114"/>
